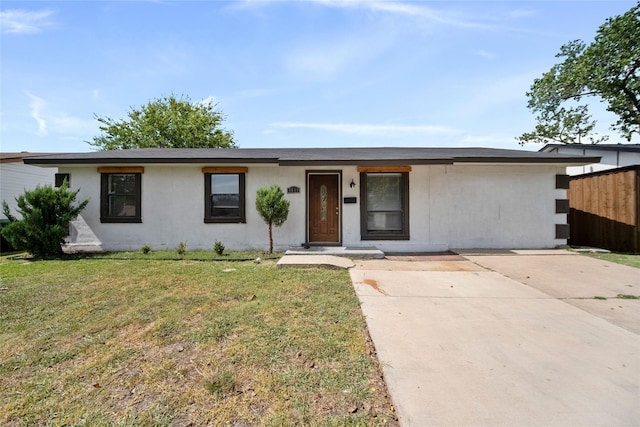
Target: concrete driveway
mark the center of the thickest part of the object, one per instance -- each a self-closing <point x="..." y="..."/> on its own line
<point x="505" y="339"/>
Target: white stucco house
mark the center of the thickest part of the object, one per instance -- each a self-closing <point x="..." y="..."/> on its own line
<point x="396" y="199"/>
<point x="611" y="155"/>
<point x="16" y="177"/>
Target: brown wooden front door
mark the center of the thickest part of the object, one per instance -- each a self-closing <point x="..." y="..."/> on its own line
<point x="324" y="208"/>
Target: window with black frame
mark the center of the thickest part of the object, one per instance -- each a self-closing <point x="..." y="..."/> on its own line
<point x="385" y="206"/>
<point x="120" y="197"/>
<point x="224" y="197"/>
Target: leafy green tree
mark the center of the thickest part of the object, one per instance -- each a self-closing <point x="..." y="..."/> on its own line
<point x="608" y="70"/>
<point x="46" y="213"/>
<point x="273" y="208"/>
<point x="167" y="122"/>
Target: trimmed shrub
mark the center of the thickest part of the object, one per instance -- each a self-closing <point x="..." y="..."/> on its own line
<point x="46" y="213"/>
<point x="218" y="247"/>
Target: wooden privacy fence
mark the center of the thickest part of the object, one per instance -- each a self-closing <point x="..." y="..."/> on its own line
<point x="605" y="209"/>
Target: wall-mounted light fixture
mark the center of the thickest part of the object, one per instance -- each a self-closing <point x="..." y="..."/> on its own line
<point x="352" y="184"/>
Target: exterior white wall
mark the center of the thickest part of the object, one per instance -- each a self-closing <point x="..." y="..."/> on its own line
<point x="16" y="177"/>
<point x="481" y="206"/>
<point x="453" y="206"/>
<point x="609" y="159"/>
<point x="503" y="206"/>
<point x="173" y="211"/>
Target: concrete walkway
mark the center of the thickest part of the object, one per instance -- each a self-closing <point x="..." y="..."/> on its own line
<point x="490" y="343"/>
<point x="326" y="261"/>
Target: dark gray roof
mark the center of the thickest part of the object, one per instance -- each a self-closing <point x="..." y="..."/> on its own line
<point x="311" y="156"/>
<point x="628" y="148"/>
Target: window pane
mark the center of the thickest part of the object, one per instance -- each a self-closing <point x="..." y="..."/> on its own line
<point x="225" y="184"/>
<point x="225" y="195"/>
<point x="122" y="206"/>
<point x="384" y="221"/>
<point x="221" y="212"/>
<point x="384" y="192"/>
<point x="225" y="200"/>
<point x="122" y="183"/>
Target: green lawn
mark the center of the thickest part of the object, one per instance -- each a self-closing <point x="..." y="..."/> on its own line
<point x="120" y="341"/>
<point x="626" y="259"/>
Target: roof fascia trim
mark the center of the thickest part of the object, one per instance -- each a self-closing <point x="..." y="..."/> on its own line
<point x="355" y="162"/>
<point x="311" y="162"/>
<point x="532" y="160"/>
<point x="137" y="160"/>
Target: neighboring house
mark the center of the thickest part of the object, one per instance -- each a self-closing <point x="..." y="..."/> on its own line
<point x="16" y="177"/>
<point x="604" y="195"/>
<point x="397" y="199"/>
<point x="612" y="155"/>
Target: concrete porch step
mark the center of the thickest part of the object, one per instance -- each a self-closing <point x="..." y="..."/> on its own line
<point x="368" y="252"/>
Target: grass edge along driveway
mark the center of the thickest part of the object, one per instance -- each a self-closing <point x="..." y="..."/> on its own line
<point x="632" y="260"/>
<point x="95" y="341"/>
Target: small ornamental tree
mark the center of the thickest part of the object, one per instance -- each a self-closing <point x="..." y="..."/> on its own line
<point x="46" y="213"/>
<point x="273" y="208"/>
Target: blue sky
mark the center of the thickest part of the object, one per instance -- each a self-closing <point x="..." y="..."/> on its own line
<point x="324" y="73"/>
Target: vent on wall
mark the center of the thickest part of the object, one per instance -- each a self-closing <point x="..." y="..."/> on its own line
<point x="60" y="177"/>
<point x="562" y="231"/>
<point x="562" y="206"/>
<point x="562" y="182"/>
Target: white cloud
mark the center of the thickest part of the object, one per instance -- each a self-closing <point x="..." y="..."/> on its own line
<point x="370" y="129"/>
<point x="485" y="54"/>
<point x="326" y="58"/>
<point x="58" y="122"/>
<point x="520" y="13"/>
<point x="418" y="10"/>
<point x="317" y="62"/>
<point x="489" y="140"/>
<point x="17" y="21"/>
<point x="415" y="10"/>
<point x="36" y="106"/>
<point x="63" y="122"/>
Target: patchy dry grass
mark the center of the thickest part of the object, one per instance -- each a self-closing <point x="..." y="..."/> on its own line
<point x="96" y="341"/>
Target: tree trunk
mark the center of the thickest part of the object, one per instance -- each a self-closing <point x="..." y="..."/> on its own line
<point x="270" y="238"/>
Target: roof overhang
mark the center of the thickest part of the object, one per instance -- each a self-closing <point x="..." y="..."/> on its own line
<point x="135" y="160"/>
<point x="377" y="156"/>
<point x="563" y="160"/>
<point x="621" y="148"/>
<point x="366" y="162"/>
